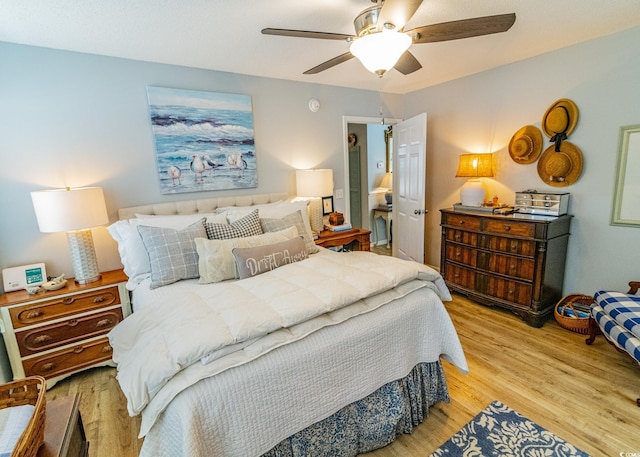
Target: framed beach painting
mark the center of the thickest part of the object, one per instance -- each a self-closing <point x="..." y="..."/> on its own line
<point x="203" y="140"/>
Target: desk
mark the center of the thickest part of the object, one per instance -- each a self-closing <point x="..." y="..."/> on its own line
<point x="359" y="238"/>
<point x="385" y="214"/>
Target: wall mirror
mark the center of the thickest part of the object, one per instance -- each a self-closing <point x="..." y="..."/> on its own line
<point x="626" y="198"/>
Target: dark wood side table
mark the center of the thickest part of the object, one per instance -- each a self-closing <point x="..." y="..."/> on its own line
<point x="359" y="238"/>
<point x="63" y="430"/>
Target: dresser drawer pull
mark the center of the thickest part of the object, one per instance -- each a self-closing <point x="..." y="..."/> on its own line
<point x="461" y="222"/>
<point x="72" y="322"/>
<point x="99" y="299"/>
<point x="68" y="300"/>
<point x="458" y="254"/>
<point x="42" y="339"/>
<point x="458" y="237"/>
<point x="48" y="366"/>
<point x="511" y="292"/>
<point x="507" y="227"/>
<point x="107" y="349"/>
<point x="512" y="266"/>
<point x="78" y="349"/>
<point x="103" y="323"/>
<point x="34" y="313"/>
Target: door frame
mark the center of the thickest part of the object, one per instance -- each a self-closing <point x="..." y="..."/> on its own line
<point x="346" y="120"/>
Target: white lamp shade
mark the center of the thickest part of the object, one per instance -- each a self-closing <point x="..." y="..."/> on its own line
<point x="314" y="183"/>
<point x="62" y="210"/>
<point x="380" y="51"/>
<point x="387" y="181"/>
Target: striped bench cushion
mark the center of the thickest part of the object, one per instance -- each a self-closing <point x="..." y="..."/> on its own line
<point x="623" y="308"/>
<point x="623" y="339"/>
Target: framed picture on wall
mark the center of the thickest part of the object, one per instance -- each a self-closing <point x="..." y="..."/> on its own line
<point x="204" y="140"/>
<point x="327" y="205"/>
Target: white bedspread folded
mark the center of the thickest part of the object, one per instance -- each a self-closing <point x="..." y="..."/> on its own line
<point x="153" y="345"/>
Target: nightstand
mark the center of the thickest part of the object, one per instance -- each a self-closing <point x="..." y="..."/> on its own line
<point x="359" y="239"/>
<point x="54" y="334"/>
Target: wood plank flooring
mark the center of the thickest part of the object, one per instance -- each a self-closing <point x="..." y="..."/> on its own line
<point x="585" y="394"/>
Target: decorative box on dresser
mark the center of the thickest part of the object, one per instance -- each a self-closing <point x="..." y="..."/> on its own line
<point x="513" y="261"/>
<point x="57" y="333"/>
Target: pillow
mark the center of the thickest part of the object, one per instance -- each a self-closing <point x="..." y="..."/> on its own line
<point x="248" y="225"/>
<point x="215" y="257"/>
<point x="133" y="254"/>
<point x="260" y="259"/>
<point x="293" y="219"/>
<point x="172" y="253"/>
<point x="13" y="422"/>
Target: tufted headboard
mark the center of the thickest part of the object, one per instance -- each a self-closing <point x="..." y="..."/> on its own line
<point x="205" y="205"/>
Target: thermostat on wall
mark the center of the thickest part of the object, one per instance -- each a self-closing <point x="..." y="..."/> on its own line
<point x="17" y="278"/>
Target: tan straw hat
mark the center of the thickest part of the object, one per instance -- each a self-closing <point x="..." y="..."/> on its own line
<point x="526" y="145"/>
<point x="559" y="120"/>
<point x="562" y="168"/>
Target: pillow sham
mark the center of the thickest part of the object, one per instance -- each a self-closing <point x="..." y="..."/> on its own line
<point x="215" y="257"/>
<point x="248" y="225"/>
<point x="260" y="259"/>
<point x="172" y="253"/>
<point x="294" y="219"/>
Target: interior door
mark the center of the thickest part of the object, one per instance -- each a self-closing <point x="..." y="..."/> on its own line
<point x="355" y="193"/>
<point x="409" y="194"/>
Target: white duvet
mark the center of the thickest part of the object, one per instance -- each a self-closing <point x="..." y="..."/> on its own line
<point x="268" y="311"/>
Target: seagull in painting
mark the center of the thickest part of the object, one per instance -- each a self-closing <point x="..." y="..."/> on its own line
<point x="174" y="173"/>
<point x="209" y="164"/>
<point x="236" y="161"/>
<point x="198" y="167"/>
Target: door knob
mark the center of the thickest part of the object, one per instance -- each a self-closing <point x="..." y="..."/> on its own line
<point x="419" y="211"/>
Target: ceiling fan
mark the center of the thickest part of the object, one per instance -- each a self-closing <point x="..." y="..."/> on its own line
<point x="381" y="43"/>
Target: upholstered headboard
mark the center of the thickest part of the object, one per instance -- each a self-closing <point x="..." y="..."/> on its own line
<point x="205" y="205"/>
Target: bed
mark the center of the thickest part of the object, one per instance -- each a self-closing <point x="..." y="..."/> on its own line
<point x="324" y="353"/>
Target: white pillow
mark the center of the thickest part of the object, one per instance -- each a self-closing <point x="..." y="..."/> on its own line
<point x="215" y="257"/>
<point x="133" y="255"/>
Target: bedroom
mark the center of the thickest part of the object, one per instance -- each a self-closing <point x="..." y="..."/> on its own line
<point x="82" y="119"/>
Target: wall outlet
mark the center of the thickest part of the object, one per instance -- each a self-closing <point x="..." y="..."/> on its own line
<point x="339" y="193"/>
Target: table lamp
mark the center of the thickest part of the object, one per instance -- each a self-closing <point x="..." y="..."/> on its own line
<point x="474" y="166"/>
<point x="315" y="184"/>
<point x="75" y="211"/>
<point x="387" y="182"/>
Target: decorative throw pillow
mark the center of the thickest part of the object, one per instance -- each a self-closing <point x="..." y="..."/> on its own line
<point x="215" y="257"/>
<point x="172" y="253"/>
<point x="260" y="259"/>
<point x="296" y="220"/>
<point x="248" y="225"/>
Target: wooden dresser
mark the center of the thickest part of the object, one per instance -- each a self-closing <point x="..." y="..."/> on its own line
<point x="56" y="333"/>
<point x="514" y="261"/>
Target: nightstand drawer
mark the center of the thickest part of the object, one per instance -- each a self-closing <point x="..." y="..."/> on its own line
<point x="69" y="359"/>
<point x="511" y="228"/>
<point x="59" y="307"/>
<point x="59" y="334"/>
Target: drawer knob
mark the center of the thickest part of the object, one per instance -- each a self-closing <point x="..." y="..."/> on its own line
<point x="72" y="322"/>
<point x="68" y="300"/>
<point x="512" y="266"/>
<point x="103" y="323"/>
<point x="42" y="339"/>
<point x="107" y="349"/>
<point x="458" y="237"/>
<point x="507" y="227"/>
<point x="48" y="366"/>
<point x="458" y="253"/>
<point x="78" y="349"/>
<point x="99" y="299"/>
<point x="34" y="313"/>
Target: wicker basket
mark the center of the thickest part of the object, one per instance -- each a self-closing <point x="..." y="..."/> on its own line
<point x="572" y="313"/>
<point x="27" y="391"/>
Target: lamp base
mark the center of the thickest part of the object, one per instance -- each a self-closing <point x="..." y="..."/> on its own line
<point x="83" y="256"/>
<point x="473" y="193"/>
<point x="316" y="220"/>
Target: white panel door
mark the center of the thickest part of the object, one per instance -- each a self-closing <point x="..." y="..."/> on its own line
<point x="409" y="169"/>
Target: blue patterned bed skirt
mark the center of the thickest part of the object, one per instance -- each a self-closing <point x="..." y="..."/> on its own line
<point x="374" y="421"/>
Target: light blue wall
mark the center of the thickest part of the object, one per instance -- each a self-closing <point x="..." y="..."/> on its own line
<point x="481" y="113"/>
<point x="71" y="119"/>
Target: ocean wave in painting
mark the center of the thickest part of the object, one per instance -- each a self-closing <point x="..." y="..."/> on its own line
<point x="203" y="143"/>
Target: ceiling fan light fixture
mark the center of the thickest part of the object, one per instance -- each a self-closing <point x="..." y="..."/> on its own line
<point x="379" y="52"/>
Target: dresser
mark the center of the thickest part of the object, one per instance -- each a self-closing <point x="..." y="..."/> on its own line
<point x="513" y="261"/>
<point x="54" y="334"/>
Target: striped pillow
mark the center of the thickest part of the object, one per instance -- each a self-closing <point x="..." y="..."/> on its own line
<point x="248" y="225"/>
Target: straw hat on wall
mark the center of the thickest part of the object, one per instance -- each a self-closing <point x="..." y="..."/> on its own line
<point x="560" y="168"/>
<point x="526" y="145"/>
<point x="559" y="120"/>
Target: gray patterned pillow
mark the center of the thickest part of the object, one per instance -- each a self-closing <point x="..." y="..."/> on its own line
<point x="260" y="259"/>
<point x="172" y="253"/>
<point x="296" y="220"/>
<point x="248" y="225"/>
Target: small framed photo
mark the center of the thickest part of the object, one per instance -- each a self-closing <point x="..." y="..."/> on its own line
<point x="327" y="205"/>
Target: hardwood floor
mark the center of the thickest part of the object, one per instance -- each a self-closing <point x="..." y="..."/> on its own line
<point x="585" y="394"/>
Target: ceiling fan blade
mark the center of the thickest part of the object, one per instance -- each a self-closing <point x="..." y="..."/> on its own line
<point x="306" y="34"/>
<point x="464" y="28"/>
<point x="329" y="63"/>
<point x="407" y="63"/>
<point x="397" y="12"/>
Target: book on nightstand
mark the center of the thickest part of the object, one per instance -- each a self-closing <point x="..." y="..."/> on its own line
<point x="339" y="228"/>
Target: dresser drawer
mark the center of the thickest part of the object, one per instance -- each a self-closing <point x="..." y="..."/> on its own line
<point x="462" y="221"/>
<point x="462" y="237"/>
<point x="460" y="276"/>
<point x="511" y="291"/>
<point x="63" y="306"/>
<point x="516" y="267"/>
<point x="69" y="359"/>
<point x="47" y="337"/>
<point x="510" y="227"/>
<point x="461" y="254"/>
<point x="515" y="246"/>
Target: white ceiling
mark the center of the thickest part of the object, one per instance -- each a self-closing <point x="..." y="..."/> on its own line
<point x="225" y="35"/>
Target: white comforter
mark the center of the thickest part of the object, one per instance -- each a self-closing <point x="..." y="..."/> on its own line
<point x="273" y="309"/>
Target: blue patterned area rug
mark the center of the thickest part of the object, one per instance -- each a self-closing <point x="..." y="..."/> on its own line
<point x="501" y="431"/>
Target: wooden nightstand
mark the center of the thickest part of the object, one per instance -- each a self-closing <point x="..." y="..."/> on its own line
<point x="57" y="333"/>
<point x="359" y="239"/>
